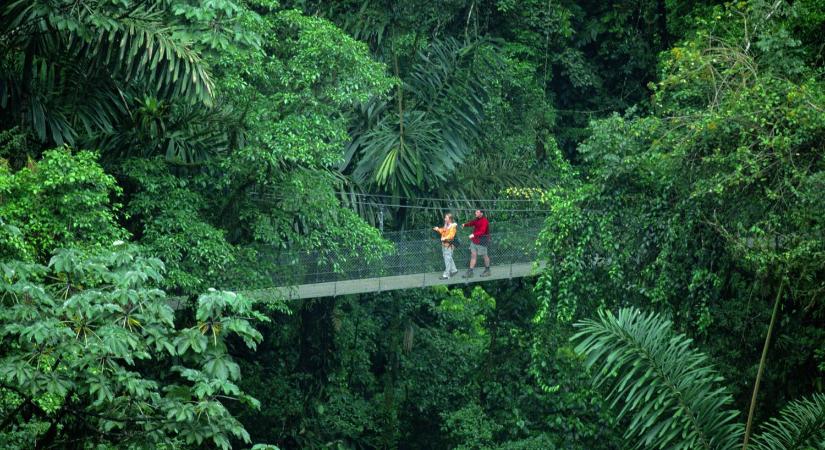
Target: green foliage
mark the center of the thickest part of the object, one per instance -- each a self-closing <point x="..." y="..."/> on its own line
<point x="424" y="369"/>
<point x="14" y="147"/>
<point x="671" y="395"/>
<point x="68" y="70"/>
<point x="184" y="134"/>
<point x="604" y="49"/>
<point x="251" y="178"/>
<point x="469" y="427"/>
<point x="195" y="253"/>
<point x="438" y="119"/>
<point x="64" y="200"/>
<point x="676" y="147"/>
<point x="799" y="425"/>
<point x="276" y="186"/>
<point x="700" y="207"/>
<point x="471" y="311"/>
<point x="91" y="344"/>
<point x="292" y="93"/>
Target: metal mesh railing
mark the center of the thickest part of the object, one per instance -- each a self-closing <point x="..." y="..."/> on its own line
<point x="414" y="251"/>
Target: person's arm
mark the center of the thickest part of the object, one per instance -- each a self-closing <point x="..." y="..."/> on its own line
<point x="471" y="223"/>
<point x="441" y="231"/>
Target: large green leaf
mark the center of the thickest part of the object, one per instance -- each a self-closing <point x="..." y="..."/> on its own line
<point x="72" y="69"/>
<point x="800" y="426"/>
<point x="668" y="392"/>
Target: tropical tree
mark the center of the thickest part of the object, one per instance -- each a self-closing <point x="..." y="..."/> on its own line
<point x="700" y="207"/>
<point x="670" y="394"/>
<point x="219" y="193"/>
<point x="91" y="352"/>
<point x="417" y="142"/>
<point x="69" y="69"/>
<point x="63" y="200"/>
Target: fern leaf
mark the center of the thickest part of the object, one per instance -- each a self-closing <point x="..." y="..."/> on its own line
<point x="667" y="391"/>
<point x="800" y="426"/>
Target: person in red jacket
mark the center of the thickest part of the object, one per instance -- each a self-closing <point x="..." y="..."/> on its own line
<point x="478" y="243"/>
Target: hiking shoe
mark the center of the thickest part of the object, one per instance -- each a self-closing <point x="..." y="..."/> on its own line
<point x="443" y="277"/>
<point x="469" y="274"/>
<point x="452" y="274"/>
<point x="486" y="272"/>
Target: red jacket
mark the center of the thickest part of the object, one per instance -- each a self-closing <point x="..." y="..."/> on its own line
<point x="480" y="226"/>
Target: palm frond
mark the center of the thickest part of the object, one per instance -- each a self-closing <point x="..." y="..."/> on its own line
<point x="442" y="118"/>
<point x="71" y="67"/>
<point x="365" y="116"/>
<point x="446" y="84"/>
<point x="800" y="426"/>
<point x="399" y="161"/>
<point x="668" y="391"/>
<point x="146" y="47"/>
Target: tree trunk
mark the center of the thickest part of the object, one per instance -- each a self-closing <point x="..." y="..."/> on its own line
<point x="661" y="7"/>
<point x="762" y="364"/>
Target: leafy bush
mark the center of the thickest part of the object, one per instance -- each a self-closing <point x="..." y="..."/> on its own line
<point x="90" y="344"/>
<point x="63" y="200"/>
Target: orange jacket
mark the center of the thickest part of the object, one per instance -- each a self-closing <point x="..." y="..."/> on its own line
<point x="447" y="234"/>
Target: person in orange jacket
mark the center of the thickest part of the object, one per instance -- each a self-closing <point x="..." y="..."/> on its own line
<point x="478" y="243"/>
<point x="447" y="245"/>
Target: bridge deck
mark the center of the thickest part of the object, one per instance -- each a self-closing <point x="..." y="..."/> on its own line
<point x="390" y="283"/>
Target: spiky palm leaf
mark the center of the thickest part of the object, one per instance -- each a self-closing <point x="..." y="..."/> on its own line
<point x="365" y="117"/>
<point x="183" y="133"/>
<point x="800" y="426"/>
<point x="445" y="80"/>
<point x="401" y="161"/>
<point x="418" y="144"/>
<point x="70" y="66"/>
<point x="668" y="391"/>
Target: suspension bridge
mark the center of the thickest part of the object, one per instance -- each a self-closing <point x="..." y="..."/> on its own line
<point x="415" y="261"/>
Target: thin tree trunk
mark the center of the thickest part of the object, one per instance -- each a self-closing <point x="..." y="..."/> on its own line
<point x="762" y="364"/>
<point x="400" y="100"/>
<point x="661" y="10"/>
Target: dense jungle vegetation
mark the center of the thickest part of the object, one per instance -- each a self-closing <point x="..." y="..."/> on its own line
<point x="154" y="152"/>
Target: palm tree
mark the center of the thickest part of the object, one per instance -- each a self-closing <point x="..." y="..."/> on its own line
<point x="71" y="67"/>
<point x="418" y="139"/>
<point x="672" y="396"/>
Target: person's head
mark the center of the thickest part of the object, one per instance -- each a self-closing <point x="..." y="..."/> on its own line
<point x="479" y="213"/>
<point x="448" y="218"/>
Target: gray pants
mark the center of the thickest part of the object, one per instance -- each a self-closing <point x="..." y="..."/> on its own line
<point x="449" y="264"/>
